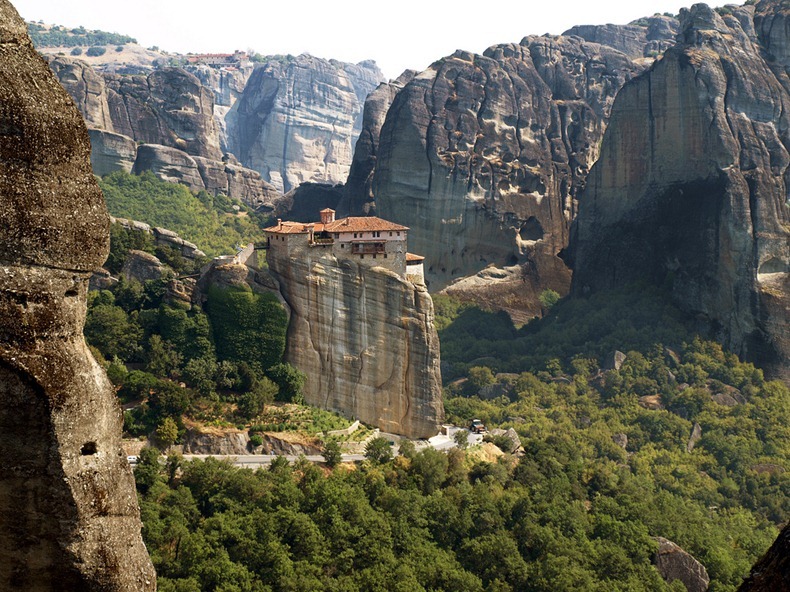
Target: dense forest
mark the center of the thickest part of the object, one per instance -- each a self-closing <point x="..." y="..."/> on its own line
<point x="632" y="425"/>
<point x="609" y="464"/>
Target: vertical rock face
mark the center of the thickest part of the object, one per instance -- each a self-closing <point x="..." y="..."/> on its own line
<point x="365" y="338"/>
<point x="644" y="38"/>
<point x="168" y="107"/>
<point x="68" y="510"/>
<point x="483" y="156"/>
<point x="358" y="199"/>
<point x="691" y="187"/>
<point x="296" y="120"/>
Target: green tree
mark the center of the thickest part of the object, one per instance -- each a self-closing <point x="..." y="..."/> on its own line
<point x="252" y="403"/>
<point x="290" y="381"/>
<point x="378" y="450"/>
<point x="167" y="432"/>
<point x="332" y="454"/>
<point x="548" y="298"/>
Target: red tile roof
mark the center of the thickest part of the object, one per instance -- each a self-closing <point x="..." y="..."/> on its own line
<point x="350" y="224"/>
<point x="412" y="258"/>
<point x="361" y="224"/>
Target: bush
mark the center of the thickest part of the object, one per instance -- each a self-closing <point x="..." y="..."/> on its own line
<point x="77" y="51"/>
<point x="96" y="51"/>
<point x="378" y="450"/>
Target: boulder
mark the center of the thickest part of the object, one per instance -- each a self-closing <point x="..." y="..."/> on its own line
<point x="772" y="572"/>
<point x="673" y="563"/>
<point x="169" y="164"/>
<point x="614" y="361"/>
<point x="69" y="518"/>
<point x="696" y="436"/>
<point x="227" y="442"/>
<point x="644" y="38"/>
<point x="142" y="267"/>
<point x="111" y="152"/>
<point x="620" y="440"/>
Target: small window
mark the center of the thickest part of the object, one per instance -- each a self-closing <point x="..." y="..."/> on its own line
<point x="355" y="235"/>
<point x="399" y="233"/>
<point x="385" y="255"/>
<point x="390" y="234"/>
<point x="342" y="246"/>
<point x="361" y="256"/>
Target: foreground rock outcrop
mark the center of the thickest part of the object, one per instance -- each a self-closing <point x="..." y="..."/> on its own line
<point x="365" y="338"/>
<point x="68" y="509"/>
<point x="772" y="572"/>
<point x="690" y="191"/>
<point x="673" y="563"/>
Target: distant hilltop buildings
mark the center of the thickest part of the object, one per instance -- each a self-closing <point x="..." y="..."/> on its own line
<point x="237" y="59"/>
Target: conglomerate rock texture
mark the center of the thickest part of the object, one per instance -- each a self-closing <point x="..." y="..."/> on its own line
<point x="772" y="572"/>
<point x="691" y="188"/>
<point x="68" y="509"/>
<point x="299" y="117"/>
<point x="365" y="339"/>
<point x="483" y="158"/>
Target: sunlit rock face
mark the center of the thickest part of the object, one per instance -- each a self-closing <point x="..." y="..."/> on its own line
<point x="298" y="119"/>
<point x="69" y="518"/>
<point x="365" y="338"/>
<point x="690" y="191"/>
<point x="483" y="156"/>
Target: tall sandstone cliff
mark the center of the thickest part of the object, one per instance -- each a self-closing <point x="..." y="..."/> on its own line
<point x="69" y="518"/>
<point x="299" y="117"/>
<point x="366" y="340"/>
<point x="483" y="156"/>
<point x="691" y="188"/>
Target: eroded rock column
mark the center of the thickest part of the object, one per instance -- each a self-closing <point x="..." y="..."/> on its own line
<point x="69" y="518"/>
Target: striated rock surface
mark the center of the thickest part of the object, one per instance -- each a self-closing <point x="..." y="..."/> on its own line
<point x="169" y="107"/>
<point x="111" y="152"/>
<point x="365" y="339"/>
<point x="772" y="572"/>
<point x="358" y="199"/>
<point x="86" y="86"/>
<point x="69" y="518"/>
<point x="296" y="119"/>
<point x="690" y="190"/>
<point x="673" y="563"/>
<point x="169" y="164"/>
<point x="483" y="157"/>
<point x="644" y="38"/>
<point x="234" y="180"/>
<point x="228" y="442"/>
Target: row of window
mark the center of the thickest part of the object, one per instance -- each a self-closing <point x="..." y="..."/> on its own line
<point x="374" y="234"/>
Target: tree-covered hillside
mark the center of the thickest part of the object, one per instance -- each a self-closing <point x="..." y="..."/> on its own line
<point x="215" y="224"/>
<point x="679" y="440"/>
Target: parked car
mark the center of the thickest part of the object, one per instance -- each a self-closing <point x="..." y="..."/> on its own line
<point x="132" y="460"/>
<point x="477" y="427"/>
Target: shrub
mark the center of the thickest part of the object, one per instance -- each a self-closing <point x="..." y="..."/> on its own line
<point x="77" y="51"/>
<point x="96" y="51"/>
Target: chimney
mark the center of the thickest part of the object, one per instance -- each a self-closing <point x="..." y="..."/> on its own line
<point x="327" y="216"/>
<point x="279" y="223"/>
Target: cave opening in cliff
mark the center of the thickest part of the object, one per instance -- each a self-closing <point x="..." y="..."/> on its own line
<point x="531" y="230"/>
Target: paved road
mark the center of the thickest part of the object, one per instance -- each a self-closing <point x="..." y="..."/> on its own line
<point x="262" y="460"/>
